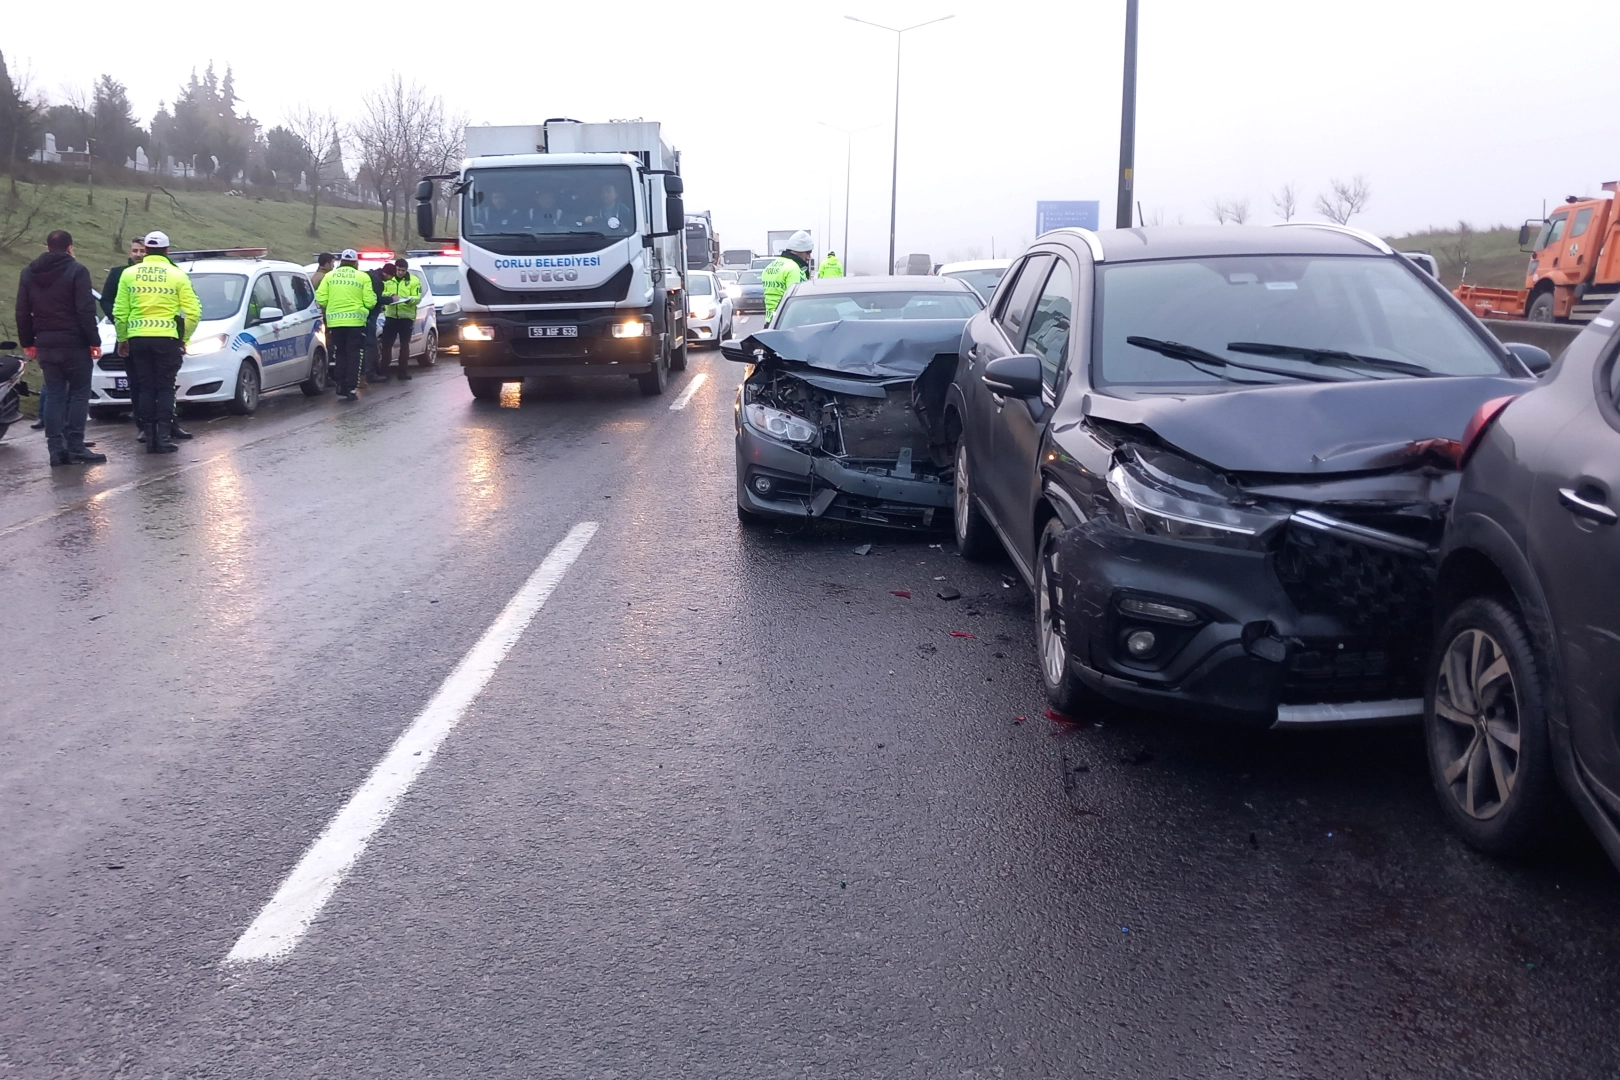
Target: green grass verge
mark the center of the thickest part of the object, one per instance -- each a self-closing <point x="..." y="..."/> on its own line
<point x="1493" y="255"/>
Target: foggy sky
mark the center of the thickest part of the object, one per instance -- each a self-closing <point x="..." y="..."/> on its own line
<point x="1449" y="108"/>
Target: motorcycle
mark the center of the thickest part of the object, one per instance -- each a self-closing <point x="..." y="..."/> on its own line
<point x="12" y="387"/>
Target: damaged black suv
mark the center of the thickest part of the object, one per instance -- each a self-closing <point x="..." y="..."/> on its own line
<point x="1222" y="459"/>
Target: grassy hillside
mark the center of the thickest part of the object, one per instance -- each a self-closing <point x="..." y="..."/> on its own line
<point x="192" y="220"/>
<point x="1493" y="255"/>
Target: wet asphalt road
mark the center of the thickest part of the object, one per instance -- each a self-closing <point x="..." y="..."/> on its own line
<point x="729" y="808"/>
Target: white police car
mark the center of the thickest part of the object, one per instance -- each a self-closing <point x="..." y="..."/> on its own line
<point x="441" y="270"/>
<point x="426" y="329"/>
<point x="260" y="331"/>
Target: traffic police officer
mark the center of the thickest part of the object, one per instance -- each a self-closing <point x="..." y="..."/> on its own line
<point x="830" y="266"/>
<point x="400" y="297"/>
<point x="346" y="298"/>
<point x="155" y="312"/>
<point x="786" y="271"/>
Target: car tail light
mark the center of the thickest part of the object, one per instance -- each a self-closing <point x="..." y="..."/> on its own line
<point x="1477" y="426"/>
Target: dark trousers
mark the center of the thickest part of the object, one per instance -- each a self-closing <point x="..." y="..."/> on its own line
<point x="345" y="342"/>
<point x="396" y="330"/>
<point x="65" y="404"/>
<point x="370" y="357"/>
<point x="134" y="381"/>
<point x="154" y="361"/>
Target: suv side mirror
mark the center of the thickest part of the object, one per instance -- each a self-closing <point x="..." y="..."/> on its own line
<point x="732" y="349"/>
<point x="1017" y="376"/>
<point x="1534" y="357"/>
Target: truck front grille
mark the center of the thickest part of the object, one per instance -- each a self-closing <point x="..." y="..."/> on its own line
<point x="490" y="294"/>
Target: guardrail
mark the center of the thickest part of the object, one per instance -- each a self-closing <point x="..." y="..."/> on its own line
<point x="1554" y="337"/>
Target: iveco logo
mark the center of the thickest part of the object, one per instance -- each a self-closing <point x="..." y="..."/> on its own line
<point x="527" y="276"/>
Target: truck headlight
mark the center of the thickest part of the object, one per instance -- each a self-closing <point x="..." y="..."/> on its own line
<point x="474" y="332"/>
<point x="1164" y="495"/>
<point x="632" y="328"/>
<point x="780" y="425"/>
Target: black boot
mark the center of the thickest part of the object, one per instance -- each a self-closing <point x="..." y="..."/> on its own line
<point x="83" y="455"/>
<point x="178" y="432"/>
<point x="157" y="439"/>
<point x="60" y="457"/>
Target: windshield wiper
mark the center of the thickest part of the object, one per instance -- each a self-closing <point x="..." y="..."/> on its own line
<point x="1193" y="355"/>
<point x="1331" y="358"/>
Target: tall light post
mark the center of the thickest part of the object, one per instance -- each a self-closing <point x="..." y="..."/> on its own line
<point x="849" y="134"/>
<point x="1127" y="124"/>
<point x="894" y="179"/>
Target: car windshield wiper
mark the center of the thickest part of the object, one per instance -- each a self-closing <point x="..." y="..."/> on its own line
<point x="1331" y="357"/>
<point x="1192" y="354"/>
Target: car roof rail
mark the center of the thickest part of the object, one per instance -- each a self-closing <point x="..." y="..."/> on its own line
<point x="1091" y="239"/>
<point x="219" y="253"/>
<point x="1367" y="238"/>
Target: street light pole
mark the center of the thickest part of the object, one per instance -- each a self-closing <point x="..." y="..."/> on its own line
<point x="849" y="134"/>
<point x="1127" y="124"/>
<point x="894" y="178"/>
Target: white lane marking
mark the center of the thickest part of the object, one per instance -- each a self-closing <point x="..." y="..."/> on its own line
<point x="691" y="388"/>
<point x="284" y="920"/>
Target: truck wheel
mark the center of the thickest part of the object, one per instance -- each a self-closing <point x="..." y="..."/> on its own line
<point x="1541" y="308"/>
<point x="484" y="388"/>
<point x="654" y="382"/>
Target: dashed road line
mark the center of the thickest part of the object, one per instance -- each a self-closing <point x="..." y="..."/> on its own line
<point x="691" y="388"/>
<point x="282" y="923"/>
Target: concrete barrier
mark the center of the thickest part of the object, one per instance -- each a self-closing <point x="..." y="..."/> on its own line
<point x="1554" y="337"/>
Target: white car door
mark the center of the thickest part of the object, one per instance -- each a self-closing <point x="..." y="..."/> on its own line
<point x="276" y="360"/>
<point x="302" y="319"/>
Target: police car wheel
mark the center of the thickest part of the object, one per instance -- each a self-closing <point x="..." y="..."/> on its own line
<point x="315" y="385"/>
<point x="247" y="390"/>
<point x="430" y="351"/>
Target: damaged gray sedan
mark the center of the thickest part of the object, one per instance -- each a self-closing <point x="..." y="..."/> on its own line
<point x="1222" y="458"/>
<point x="841" y="415"/>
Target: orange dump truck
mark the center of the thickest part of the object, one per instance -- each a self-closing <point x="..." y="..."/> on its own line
<point x="1574" y="267"/>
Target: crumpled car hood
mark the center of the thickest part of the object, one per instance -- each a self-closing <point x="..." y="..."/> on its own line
<point x="1304" y="428"/>
<point x="875" y="349"/>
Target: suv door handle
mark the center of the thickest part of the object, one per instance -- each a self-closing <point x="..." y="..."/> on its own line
<point x="1586" y="508"/>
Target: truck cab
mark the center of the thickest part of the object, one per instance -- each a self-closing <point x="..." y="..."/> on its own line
<point x="1574" y="266"/>
<point x="572" y="249"/>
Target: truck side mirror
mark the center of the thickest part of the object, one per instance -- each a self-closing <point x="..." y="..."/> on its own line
<point x="1524" y="235"/>
<point x="424" y="191"/>
<point x="674" y="185"/>
<point x="424" y="213"/>
<point x="674" y="213"/>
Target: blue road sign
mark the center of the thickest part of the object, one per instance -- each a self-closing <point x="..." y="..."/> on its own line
<point x="1081" y="214"/>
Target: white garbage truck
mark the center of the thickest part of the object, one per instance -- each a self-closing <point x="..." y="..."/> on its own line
<point x="572" y="252"/>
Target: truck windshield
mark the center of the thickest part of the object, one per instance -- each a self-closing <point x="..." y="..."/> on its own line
<point x="549" y="200"/>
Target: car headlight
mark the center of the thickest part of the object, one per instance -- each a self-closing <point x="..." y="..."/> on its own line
<point x="780" y="425"/>
<point x="207" y="343"/>
<point x="474" y="332"/>
<point x="1163" y="495"/>
<point x="450" y="307"/>
<point x="733" y="291"/>
<point x="702" y="309"/>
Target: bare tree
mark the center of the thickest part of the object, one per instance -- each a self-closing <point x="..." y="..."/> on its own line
<point x="1457" y="251"/>
<point x="1239" y="211"/>
<point x="1345" y="200"/>
<point x="1220" y="211"/>
<point x="1286" y="202"/>
<point x="403" y="134"/>
<point x="322" y="135"/>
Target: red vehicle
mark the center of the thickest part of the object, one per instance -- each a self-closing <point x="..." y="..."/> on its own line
<point x="1574" y="267"/>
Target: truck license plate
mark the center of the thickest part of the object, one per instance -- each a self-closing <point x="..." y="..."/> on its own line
<point x="554" y="331"/>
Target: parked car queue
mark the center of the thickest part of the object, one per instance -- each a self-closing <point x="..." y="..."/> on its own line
<point x="1226" y="462"/>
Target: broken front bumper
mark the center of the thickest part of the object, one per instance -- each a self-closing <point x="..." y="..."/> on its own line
<point x="774" y="478"/>
<point x="1321" y="632"/>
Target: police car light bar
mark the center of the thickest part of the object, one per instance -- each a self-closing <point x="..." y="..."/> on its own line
<point x="219" y="253"/>
<point x="376" y="254"/>
<point x="428" y="253"/>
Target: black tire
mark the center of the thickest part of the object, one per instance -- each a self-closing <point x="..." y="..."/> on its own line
<point x="485" y="388"/>
<point x="246" y="400"/>
<point x="430" y="350"/>
<point x="1066" y="693"/>
<point x="1541" y="307"/>
<point x="655" y="381"/>
<point x="1485" y="725"/>
<point x="315" y="385"/>
<point x="974" y="538"/>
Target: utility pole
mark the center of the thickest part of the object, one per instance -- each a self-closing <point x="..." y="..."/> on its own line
<point x="894" y="178"/>
<point x="849" y="134"/>
<point x="1127" y="124"/>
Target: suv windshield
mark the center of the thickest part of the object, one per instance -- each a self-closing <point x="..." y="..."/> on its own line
<point x="443" y="279"/>
<point x="1285" y="312"/>
<point x="221" y="294"/>
<point x="549" y="200"/>
<point x="889" y="304"/>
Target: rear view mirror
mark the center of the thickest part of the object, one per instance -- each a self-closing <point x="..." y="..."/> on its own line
<point x="270" y="314"/>
<point x="1017" y="376"/>
<point x="1534" y="357"/>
